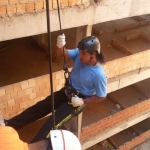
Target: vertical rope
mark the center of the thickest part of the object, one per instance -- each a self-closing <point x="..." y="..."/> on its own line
<point x="64" y="66"/>
<point x="50" y="60"/>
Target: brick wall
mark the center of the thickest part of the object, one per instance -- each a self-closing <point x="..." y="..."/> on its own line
<point x="126" y="64"/>
<point x="112" y="120"/>
<point x="16" y="97"/>
<point x="10" y="7"/>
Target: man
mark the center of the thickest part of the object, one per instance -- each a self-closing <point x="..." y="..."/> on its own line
<point x="87" y="80"/>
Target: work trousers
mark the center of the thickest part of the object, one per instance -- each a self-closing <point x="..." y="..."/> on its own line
<point x="41" y="109"/>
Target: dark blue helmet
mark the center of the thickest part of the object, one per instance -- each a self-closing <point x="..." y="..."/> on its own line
<point x="89" y="44"/>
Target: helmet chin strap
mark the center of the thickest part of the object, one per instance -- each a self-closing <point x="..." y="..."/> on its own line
<point x="91" y="58"/>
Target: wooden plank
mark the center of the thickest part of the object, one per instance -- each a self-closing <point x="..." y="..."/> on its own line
<point x="79" y="117"/>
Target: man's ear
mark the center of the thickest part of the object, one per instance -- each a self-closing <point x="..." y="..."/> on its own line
<point x="94" y="54"/>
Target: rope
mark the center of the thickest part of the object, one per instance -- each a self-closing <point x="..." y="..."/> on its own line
<point x="64" y="65"/>
<point x="50" y="60"/>
<point x="63" y="139"/>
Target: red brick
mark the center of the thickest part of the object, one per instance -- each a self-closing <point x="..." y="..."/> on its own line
<point x="64" y="3"/>
<point x="28" y="91"/>
<point x="2" y="10"/>
<point x="55" y="83"/>
<point x="3" y="2"/>
<point x="30" y="7"/>
<point x="17" y="87"/>
<point x="23" y="105"/>
<point x="39" y="94"/>
<point x="38" y="80"/>
<point x="143" y="23"/>
<point x="46" y="78"/>
<point x="46" y="92"/>
<point x="59" y="75"/>
<point x="1" y="100"/>
<point x="8" y="110"/>
<point x="9" y="89"/>
<point x="39" y="5"/>
<point x="85" y="1"/>
<point x="20" y="8"/>
<point x="11" y="9"/>
<point x="47" y="85"/>
<point x="14" y="95"/>
<point x="5" y="98"/>
<point x="18" y="100"/>
<point x="13" y="1"/>
<point x="16" y="107"/>
<point x="30" y="102"/>
<point x="3" y="105"/>
<point x="25" y="98"/>
<point x="36" y="100"/>
<point x="12" y="114"/>
<point x="74" y="2"/>
<point x="31" y="82"/>
<point x="24" y="85"/>
<point x="35" y="89"/>
<point x="33" y="95"/>
<point x="2" y="112"/>
<point x="23" y="1"/>
<point x="42" y="87"/>
<point x="21" y="93"/>
<point x="11" y="102"/>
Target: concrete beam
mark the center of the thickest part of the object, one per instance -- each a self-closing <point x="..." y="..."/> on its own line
<point x="82" y="32"/>
<point x="29" y="24"/>
<point x="128" y="79"/>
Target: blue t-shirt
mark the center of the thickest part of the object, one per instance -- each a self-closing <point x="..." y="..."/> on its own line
<point x="88" y="80"/>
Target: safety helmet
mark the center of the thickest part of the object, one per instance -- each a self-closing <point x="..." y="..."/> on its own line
<point x="89" y="44"/>
<point x="64" y="140"/>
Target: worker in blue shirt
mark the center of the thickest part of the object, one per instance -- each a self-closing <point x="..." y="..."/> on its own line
<point x="87" y="80"/>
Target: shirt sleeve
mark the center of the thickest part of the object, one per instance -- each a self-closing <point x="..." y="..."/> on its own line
<point x="73" y="53"/>
<point x="100" y="84"/>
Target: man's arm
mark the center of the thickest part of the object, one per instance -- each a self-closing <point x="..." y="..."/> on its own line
<point x="59" y="52"/>
<point x="76" y="101"/>
<point x="93" y="99"/>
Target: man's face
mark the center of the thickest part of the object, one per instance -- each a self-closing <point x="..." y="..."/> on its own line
<point x="85" y="57"/>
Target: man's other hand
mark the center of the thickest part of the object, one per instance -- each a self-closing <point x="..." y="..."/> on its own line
<point x="76" y="101"/>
